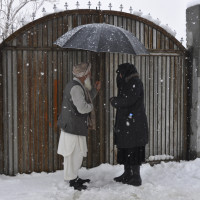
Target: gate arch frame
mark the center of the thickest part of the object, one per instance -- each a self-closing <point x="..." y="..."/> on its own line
<point x="33" y="45"/>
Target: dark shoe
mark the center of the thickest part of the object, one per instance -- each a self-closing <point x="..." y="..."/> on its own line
<point x="124" y="175"/>
<point x="77" y="185"/>
<point x="135" y="178"/>
<point x="82" y="181"/>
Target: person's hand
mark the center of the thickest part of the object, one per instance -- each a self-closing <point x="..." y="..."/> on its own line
<point x="98" y="85"/>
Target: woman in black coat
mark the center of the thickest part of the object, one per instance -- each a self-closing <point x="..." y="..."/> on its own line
<point x="131" y="128"/>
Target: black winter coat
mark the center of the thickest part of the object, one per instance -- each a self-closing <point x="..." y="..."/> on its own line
<point x="131" y="128"/>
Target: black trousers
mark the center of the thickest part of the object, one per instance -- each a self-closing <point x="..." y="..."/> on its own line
<point x="131" y="156"/>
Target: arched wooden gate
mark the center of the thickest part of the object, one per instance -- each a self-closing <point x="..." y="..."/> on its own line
<point x="33" y="73"/>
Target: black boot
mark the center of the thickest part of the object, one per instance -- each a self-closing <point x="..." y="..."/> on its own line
<point x="135" y="178"/>
<point x="124" y="175"/>
<point x="82" y="181"/>
<point x="77" y="185"/>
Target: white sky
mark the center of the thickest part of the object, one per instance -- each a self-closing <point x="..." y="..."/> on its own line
<point x="171" y="12"/>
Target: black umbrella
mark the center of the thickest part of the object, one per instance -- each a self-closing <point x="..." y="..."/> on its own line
<point x="102" y="38"/>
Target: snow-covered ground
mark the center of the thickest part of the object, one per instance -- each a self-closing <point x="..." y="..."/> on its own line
<point x="165" y="181"/>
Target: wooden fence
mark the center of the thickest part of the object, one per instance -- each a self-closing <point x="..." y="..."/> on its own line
<point x="33" y="73"/>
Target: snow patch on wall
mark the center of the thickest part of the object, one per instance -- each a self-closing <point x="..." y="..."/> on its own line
<point x="160" y="157"/>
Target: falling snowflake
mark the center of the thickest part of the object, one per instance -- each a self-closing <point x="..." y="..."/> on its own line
<point x="127" y="123"/>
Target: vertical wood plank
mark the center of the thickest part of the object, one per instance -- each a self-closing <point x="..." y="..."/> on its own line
<point x="175" y="111"/>
<point x="154" y="39"/>
<point x="31" y="109"/>
<point x="155" y="105"/>
<point x="107" y="107"/>
<point x="45" y="112"/>
<point x="10" y="114"/>
<point x="147" y="105"/>
<point x="25" y="112"/>
<point x="146" y="36"/>
<point x="151" y="105"/>
<point x="20" y="110"/>
<point x="2" y="76"/>
<point x="112" y="79"/>
<point x="50" y="111"/>
<point x="163" y="117"/>
<point x="171" y="108"/>
<point x="159" y="107"/>
<point x="167" y="105"/>
<point x="150" y="38"/>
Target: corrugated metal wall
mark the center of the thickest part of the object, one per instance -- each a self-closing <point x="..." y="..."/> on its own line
<point x="33" y="73"/>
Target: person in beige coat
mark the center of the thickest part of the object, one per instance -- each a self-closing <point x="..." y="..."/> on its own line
<point x="74" y="121"/>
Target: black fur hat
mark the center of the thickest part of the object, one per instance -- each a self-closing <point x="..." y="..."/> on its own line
<point x="126" y="69"/>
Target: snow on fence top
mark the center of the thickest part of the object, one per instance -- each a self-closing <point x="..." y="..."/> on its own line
<point x="193" y="3"/>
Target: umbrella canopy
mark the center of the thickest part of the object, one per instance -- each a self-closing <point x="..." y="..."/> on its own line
<point x="102" y="38"/>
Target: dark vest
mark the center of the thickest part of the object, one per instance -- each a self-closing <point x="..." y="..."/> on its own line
<point x="70" y="120"/>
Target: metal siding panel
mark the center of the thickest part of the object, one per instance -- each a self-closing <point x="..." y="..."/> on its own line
<point x="163" y="116"/>
<point x="167" y="106"/>
<point x="5" y="112"/>
<point x="15" y="125"/>
<point x="10" y="113"/>
<point x="166" y="43"/>
<point x="40" y="35"/>
<point x="146" y="36"/>
<point x="155" y="105"/>
<point x="49" y="33"/>
<point x="112" y="79"/>
<point x="133" y="27"/>
<point x="36" y="111"/>
<point x="39" y="97"/>
<point x="1" y="115"/>
<point x="179" y="91"/>
<point x="55" y="107"/>
<point x="20" y="110"/>
<point x="159" y="105"/>
<point x="116" y="63"/>
<point x="31" y="109"/>
<point x="138" y="30"/>
<point x="60" y="26"/>
<point x="151" y="105"/>
<point x="45" y="34"/>
<point x="162" y="41"/>
<point x="60" y="91"/>
<point x="171" y="108"/>
<point x="50" y="112"/>
<point x="175" y="100"/>
<point x="35" y="36"/>
<point x="107" y="107"/>
<point x="45" y="111"/>
<point x="102" y="108"/>
<point x="25" y="112"/>
<point x="154" y="39"/>
<point x="184" y="108"/>
<point x="69" y="22"/>
<point x="147" y="106"/>
<point x="142" y="33"/>
<point x="171" y="44"/>
<point x="150" y="38"/>
<point x="158" y="40"/>
<point x="129" y="25"/>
